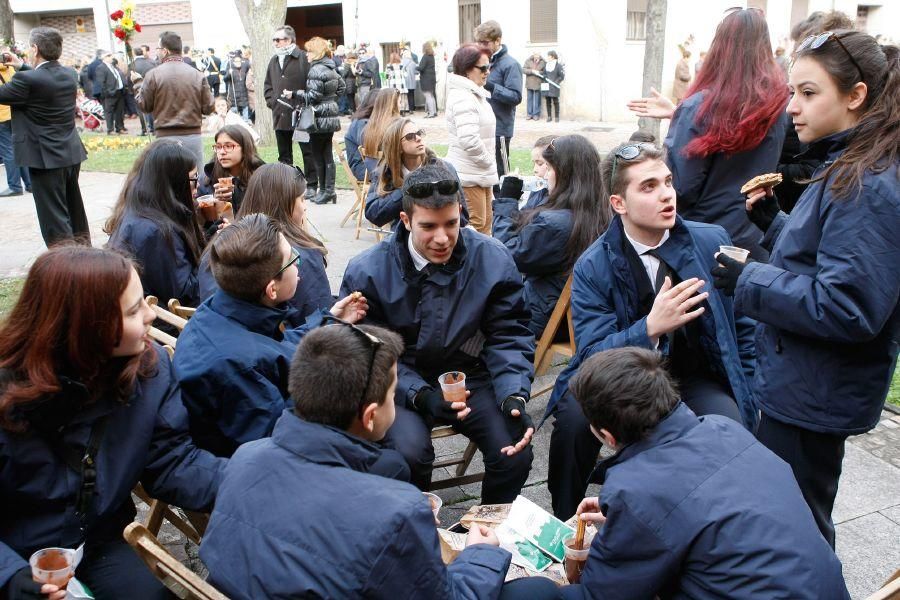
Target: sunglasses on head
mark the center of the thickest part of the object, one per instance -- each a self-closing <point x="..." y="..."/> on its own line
<point x="483" y="68"/>
<point x="629" y="152"/>
<point x="425" y="189"/>
<point x="372" y="342"/>
<point x="814" y="42"/>
<point x="409" y="137"/>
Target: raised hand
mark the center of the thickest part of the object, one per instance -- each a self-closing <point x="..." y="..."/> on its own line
<point x="672" y="307"/>
<point x="656" y="106"/>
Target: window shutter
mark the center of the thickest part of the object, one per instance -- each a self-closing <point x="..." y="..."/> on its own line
<point x="543" y="21"/>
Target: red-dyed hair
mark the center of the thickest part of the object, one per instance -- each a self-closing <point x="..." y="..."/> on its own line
<point x="466" y="57"/>
<point x="744" y="89"/>
<point x="68" y="319"/>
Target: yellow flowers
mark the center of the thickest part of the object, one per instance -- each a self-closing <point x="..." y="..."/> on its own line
<point x="127" y="23"/>
<point x="99" y="143"/>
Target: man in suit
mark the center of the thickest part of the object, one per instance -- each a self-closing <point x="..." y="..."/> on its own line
<point x="42" y="99"/>
<point x="212" y="65"/>
<point x="111" y="83"/>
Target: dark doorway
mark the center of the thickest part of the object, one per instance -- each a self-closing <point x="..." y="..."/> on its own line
<point x="326" y="20"/>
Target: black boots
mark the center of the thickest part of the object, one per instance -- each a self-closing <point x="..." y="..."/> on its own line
<point x="326" y="193"/>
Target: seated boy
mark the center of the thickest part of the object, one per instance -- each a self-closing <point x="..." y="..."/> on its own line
<point x="232" y="357"/>
<point x="644" y="283"/>
<point x="690" y="507"/>
<point x="330" y="529"/>
<point x="455" y="296"/>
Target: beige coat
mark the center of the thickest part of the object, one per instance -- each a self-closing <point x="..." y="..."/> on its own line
<point x="472" y="125"/>
<point x="682" y="79"/>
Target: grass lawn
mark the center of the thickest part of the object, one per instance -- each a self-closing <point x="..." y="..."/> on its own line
<point x="117" y="154"/>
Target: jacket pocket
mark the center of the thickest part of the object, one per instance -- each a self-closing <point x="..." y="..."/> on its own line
<point x="764" y="275"/>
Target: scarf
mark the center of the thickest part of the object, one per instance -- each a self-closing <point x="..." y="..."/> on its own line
<point x="282" y="53"/>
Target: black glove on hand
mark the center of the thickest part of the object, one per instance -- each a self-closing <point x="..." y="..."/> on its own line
<point x="512" y="187"/>
<point x="22" y="587"/>
<point x="725" y="277"/>
<point x="430" y="404"/>
<point x="523" y="420"/>
<point x="764" y="212"/>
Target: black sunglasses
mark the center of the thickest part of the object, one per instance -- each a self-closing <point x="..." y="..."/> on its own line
<point x="409" y="137"/>
<point x="295" y="258"/>
<point x="281" y="39"/>
<point x="425" y="189"/>
<point x="629" y="152"/>
<point x="814" y="42"/>
<point x="483" y="68"/>
<point x="372" y="342"/>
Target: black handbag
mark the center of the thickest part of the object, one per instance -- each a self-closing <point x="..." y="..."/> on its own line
<point x="306" y="118"/>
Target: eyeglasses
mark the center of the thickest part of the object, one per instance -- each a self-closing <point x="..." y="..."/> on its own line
<point x="372" y="342"/>
<point x="295" y="258"/>
<point x="483" y="68"/>
<point x="444" y="187"/>
<point x="629" y="152"/>
<point x="282" y="39"/>
<point x="409" y="137"/>
<point x="814" y="42"/>
<point x="226" y="147"/>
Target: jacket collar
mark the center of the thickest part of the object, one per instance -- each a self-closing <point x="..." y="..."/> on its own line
<point x="673" y="426"/>
<point x="498" y="54"/>
<point x="464" y="83"/>
<point x="323" y="445"/>
<point x="672" y="251"/>
<point x="829" y="147"/>
<point x="440" y="273"/>
<point x="257" y="318"/>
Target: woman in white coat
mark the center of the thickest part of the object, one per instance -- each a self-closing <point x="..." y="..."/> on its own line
<point x="471" y="122"/>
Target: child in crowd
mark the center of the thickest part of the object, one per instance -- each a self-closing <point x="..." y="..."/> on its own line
<point x="223" y="117"/>
<point x="539" y="168"/>
<point x="234" y="157"/>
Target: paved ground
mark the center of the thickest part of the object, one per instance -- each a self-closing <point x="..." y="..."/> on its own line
<point x="868" y="504"/>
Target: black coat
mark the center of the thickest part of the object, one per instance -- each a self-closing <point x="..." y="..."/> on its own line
<point x="291" y="77"/>
<point x="427" y="77"/>
<point x="105" y="80"/>
<point x="323" y="86"/>
<point x="43" y="127"/>
<point x="236" y="80"/>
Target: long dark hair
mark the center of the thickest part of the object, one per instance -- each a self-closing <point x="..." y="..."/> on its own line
<point x="68" y="319"/>
<point x="745" y="91"/>
<point x="250" y="160"/>
<point x="364" y="110"/>
<point x="875" y="142"/>
<point x="158" y="188"/>
<point x="576" y="163"/>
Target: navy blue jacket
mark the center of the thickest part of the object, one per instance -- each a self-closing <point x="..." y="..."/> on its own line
<point x="352" y="141"/>
<point x="537" y="198"/>
<point x="205" y="187"/>
<point x="445" y="311"/>
<point x="145" y="440"/>
<point x="383" y="210"/>
<point x="539" y="250"/>
<point x="827" y="303"/>
<point x="709" y="188"/>
<point x="313" y="290"/>
<point x="167" y="268"/>
<point x="232" y="363"/>
<point x="330" y="529"/>
<point x="605" y="307"/>
<point x="700" y="509"/>
<point x="506" y="78"/>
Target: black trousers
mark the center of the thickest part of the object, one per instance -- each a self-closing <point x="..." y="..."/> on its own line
<point x="574" y="448"/>
<point x="322" y="158"/>
<point x="60" y="209"/>
<point x="486" y="426"/>
<point x="552" y="103"/>
<point x="816" y="460"/>
<point x="501" y="166"/>
<point x="114" y="570"/>
<point x="411" y="99"/>
<point x="114" y="111"/>
<point x="284" y="140"/>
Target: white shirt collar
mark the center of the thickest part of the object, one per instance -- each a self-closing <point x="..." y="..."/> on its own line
<point x="419" y="261"/>
<point x="643" y="248"/>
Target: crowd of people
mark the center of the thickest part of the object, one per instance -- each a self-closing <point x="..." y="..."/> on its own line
<point x="725" y="389"/>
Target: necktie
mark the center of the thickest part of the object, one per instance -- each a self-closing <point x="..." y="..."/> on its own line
<point x="115" y="72"/>
<point x="661" y="272"/>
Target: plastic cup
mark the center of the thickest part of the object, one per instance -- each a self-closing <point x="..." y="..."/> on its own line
<point x="53" y="565"/>
<point x="738" y="254"/>
<point x="435" y="502"/>
<point x="575" y="559"/>
<point x="453" y="385"/>
<point x="207" y="206"/>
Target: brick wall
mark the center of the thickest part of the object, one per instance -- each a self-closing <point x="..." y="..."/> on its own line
<point x="163" y="14"/>
<point x="75" y="45"/>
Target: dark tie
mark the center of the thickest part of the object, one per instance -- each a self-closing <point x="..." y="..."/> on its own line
<point x="661" y="272"/>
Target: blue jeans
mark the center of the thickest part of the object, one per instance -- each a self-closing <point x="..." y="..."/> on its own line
<point x="534" y="103"/>
<point x="15" y="175"/>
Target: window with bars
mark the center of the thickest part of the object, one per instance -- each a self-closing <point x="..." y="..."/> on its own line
<point x="636" y="25"/>
<point x="543" y="21"/>
<point x="469" y="19"/>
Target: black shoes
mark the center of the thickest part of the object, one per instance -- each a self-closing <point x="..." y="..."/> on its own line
<point x="325" y="196"/>
<point x="311" y="192"/>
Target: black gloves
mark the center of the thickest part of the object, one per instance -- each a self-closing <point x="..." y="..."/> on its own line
<point x="523" y="421"/>
<point x="725" y="277"/>
<point x="22" y="587"/>
<point x="764" y="212"/>
<point x="431" y="405"/>
<point x="512" y="187"/>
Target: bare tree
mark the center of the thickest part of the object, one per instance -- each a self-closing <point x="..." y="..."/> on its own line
<point x="6" y="21"/>
<point x="654" y="53"/>
<point x="260" y="18"/>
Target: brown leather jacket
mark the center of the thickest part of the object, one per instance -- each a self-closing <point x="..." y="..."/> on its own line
<point x="177" y="95"/>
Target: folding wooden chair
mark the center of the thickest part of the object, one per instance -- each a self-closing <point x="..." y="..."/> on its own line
<point x="192" y="524"/>
<point x="180" y="580"/>
<point x="546" y="348"/>
<point x="167" y="317"/>
<point x="890" y="590"/>
<point x="461" y="463"/>
<point x="359" y="187"/>
<point x="185" y="312"/>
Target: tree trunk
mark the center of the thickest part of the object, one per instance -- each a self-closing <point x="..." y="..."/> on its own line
<point x="6" y="22"/>
<point x="654" y="53"/>
<point x="260" y="18"/>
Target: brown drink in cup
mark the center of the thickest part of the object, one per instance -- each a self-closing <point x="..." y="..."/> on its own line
<point x="207" y="206"/>
<point x="453" y="385"/>
<point x="575" y="559"/>
<point x="53" y="565"/>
